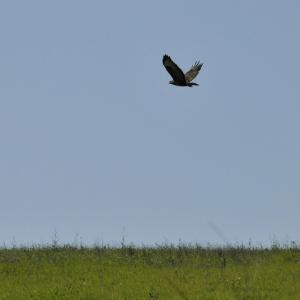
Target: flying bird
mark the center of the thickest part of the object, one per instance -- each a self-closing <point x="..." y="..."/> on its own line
<point x="179" y="78"/>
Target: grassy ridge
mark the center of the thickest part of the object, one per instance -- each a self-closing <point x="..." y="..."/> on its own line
<point x="184" y="272"/>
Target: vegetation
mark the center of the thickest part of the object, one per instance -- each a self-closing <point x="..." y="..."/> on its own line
<point x="161" y="272"/>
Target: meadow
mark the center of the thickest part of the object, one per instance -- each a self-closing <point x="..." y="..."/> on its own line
<point x="160" y="272"/>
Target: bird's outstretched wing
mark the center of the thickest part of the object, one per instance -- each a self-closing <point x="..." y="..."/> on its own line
<point x="193" y="72"/>
<point x="176" y="73"/>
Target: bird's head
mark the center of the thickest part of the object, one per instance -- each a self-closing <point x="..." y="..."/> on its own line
<point x="171" y="82"/>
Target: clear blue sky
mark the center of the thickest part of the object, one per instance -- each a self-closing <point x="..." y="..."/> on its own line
<point x="95" y="143"/>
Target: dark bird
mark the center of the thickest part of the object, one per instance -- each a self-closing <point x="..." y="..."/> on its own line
<point x="179" y="78"/>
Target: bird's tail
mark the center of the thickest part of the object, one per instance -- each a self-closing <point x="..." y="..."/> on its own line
<point x="190" y="84"/>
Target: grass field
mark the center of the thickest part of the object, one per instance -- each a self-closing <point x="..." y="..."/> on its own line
<point x="163" y="272"/>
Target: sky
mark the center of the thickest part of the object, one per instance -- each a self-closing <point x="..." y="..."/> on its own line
<point x="97" y="146"/>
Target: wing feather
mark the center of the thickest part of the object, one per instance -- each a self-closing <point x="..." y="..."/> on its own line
<point x="175" y="72"/>
<point x="193" y="72"/>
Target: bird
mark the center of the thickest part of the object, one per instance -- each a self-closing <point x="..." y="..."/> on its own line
<point x="179" y="78"/>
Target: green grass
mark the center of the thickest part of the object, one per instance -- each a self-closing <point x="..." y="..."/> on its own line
<point x="166" y="272"/>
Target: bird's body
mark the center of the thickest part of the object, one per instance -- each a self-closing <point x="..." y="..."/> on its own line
<point x="190" y="84"/>
<point x="179" y="78"/>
